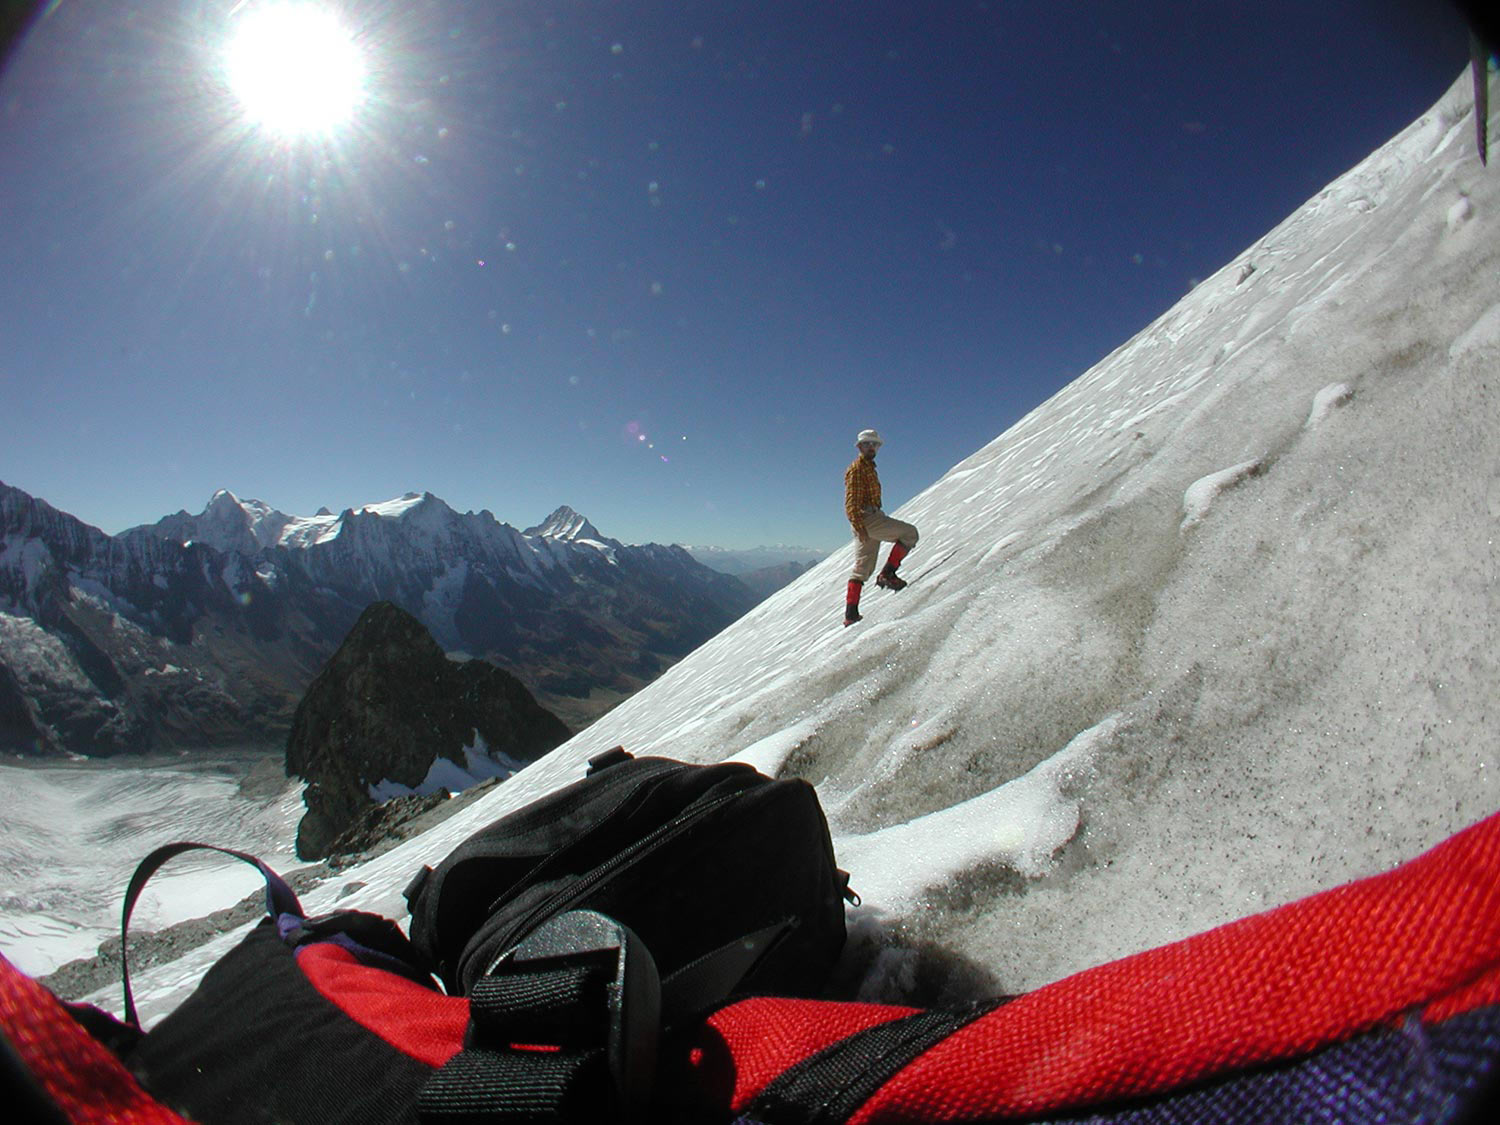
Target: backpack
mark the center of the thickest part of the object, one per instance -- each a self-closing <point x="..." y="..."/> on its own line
<point x="690" y="857"/>
<point x="1377" y="1001"/>
<point x="592" y="919"/>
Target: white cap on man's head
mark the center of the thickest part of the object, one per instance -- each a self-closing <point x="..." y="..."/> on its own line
<point x="868" y="435"/>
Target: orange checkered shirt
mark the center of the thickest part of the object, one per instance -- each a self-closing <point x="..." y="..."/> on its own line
<point x="861" y="491"/>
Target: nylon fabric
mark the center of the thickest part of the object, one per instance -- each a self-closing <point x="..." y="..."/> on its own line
<point x="20" y="1092"/>
<point x="568" y="1007"/>
<point x="689" y="857"/>
<point x="1374" y="1002"/>
<point x="827" y="1088"/>
<point x="512" y="1088"/>
<point x="257" y="1043"/>
<point x="741" y="1048"/>
<point x="1410" y="1075"/>
<point x="74" y="1069"/>
<point x="1266" y="988"/>
<point x="418" y="1021"/>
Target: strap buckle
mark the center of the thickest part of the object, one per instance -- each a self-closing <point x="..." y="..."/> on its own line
<point x="579" y="993"/>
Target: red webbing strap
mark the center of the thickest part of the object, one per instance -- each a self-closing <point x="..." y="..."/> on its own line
<point x="78" y="1072"/>
<point x="1425" y="936"/>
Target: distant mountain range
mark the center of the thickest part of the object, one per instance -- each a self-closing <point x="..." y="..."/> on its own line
<point x="739" y="562"/>
<point x="203" y="630"/>
<point x="764" y="569"/>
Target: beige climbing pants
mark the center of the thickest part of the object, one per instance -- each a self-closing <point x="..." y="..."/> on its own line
<point x="879" y="528"/>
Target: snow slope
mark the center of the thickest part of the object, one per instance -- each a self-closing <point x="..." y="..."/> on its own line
<point x="1211" y="629"/>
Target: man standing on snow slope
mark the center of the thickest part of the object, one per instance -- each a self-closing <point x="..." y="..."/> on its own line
<point x="872" y="527"/>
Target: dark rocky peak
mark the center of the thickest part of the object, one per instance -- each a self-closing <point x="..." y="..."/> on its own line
<point x="391" y="713"/>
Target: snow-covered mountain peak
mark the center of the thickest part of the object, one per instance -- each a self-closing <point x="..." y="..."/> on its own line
<point x="567" y="525"/>
<point x="421" y="508"/>
<point x="231" y="524"/>
<point x="228" y="523"/>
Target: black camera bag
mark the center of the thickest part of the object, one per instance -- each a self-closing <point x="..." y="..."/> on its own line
<point x="689" y="857"/>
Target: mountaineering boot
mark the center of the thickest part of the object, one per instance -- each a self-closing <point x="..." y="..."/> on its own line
<point x="851" y="601"/>
<point x="887" y="579"/>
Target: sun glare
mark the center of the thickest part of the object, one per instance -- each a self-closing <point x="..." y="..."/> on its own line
<point x="295" y="69"/>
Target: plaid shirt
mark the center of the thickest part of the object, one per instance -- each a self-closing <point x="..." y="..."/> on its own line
<point x="861" y="491"/>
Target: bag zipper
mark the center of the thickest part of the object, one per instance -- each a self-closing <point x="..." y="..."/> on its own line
<point x="563" y="899"/>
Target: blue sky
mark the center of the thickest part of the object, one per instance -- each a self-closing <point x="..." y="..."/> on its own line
<point x="656" y="261"/>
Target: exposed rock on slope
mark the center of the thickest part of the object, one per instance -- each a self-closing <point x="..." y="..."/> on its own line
<point x="391" y="710"/>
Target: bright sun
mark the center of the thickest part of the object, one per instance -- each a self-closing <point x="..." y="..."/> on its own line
<point x="295" y="70"/>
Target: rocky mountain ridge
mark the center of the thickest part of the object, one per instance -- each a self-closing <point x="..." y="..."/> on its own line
<point x="391" y="716"/>
<point x="204" y="630"/>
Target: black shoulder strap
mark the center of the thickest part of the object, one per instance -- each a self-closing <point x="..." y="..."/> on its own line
<point x="709" y="981"/>
<point x="280" y="899"/>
